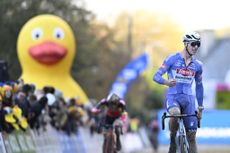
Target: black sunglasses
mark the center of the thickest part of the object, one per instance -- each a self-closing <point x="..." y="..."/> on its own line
<point x="195" y="43"/>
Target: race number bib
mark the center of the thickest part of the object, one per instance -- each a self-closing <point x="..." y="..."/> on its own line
<point x="184" y="75"/>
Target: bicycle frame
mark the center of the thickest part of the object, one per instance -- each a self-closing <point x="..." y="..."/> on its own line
<point x="181" y="138"/>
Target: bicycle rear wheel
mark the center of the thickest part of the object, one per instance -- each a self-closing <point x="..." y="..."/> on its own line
<point x="182" y="144"/>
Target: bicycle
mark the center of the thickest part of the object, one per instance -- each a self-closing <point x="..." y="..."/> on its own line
<point x="181" y="138"/>
<point x="109" y="144"/>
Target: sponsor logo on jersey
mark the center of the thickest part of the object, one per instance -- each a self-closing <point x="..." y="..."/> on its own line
<point x="185" y="72"/>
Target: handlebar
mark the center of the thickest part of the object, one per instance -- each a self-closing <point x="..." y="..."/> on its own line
<point x="164" y="116"/>
<point x="111" y="126"/>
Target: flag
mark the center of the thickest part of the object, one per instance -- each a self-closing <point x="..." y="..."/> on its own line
<point x="129" y="73"/>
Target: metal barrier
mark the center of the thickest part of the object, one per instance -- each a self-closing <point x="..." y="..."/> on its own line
<point x="53" y="141"/>
<point x="48" y="141"/>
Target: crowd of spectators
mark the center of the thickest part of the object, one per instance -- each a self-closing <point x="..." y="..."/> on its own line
<point x="22" y="106"/>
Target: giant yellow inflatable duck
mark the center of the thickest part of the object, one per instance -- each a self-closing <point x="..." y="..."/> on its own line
<point x="46" y="49"/>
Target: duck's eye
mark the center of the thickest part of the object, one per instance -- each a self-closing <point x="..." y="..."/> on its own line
<point x="37" y="33"/>
<point x="58" y="33"/>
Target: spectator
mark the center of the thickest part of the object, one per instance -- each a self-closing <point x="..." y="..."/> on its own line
<point x="134" y="124"/>
<point x="153" y="134"/>
<point x="23" y="103"/>
<point x="35" y="112"/>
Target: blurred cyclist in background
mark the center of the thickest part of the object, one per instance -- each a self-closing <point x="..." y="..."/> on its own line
<point x="115" y="114"/>
<point x="182" y="68"/>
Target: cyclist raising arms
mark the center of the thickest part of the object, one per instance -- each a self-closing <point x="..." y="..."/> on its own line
<point x="182" y="68"/>
<point x="115" y="114"/>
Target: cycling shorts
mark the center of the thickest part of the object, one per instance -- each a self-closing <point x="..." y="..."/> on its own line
<point x="186" y="103"/>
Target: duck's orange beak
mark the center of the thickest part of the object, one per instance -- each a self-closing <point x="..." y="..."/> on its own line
<point x="48" y="52"/>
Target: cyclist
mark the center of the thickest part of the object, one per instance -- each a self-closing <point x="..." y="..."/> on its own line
<point x="115" y="114"/>
<point x="182" y="68"/>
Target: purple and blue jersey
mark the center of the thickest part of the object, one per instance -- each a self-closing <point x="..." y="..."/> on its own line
<point x="176" y="68"/>
<point x="181" y="94"/>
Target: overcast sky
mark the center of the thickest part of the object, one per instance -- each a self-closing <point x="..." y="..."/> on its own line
<point x="190" y="14"/>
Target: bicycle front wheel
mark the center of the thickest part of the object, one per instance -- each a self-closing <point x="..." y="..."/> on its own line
<point x="183" y="145"/>
<point x="109" y="144"/>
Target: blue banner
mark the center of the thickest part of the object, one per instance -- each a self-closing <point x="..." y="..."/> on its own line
<point x="215" y="128"/>
<point x="129" y="73"/>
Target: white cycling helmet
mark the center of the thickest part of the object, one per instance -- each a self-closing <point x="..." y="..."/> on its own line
<point x="191" y="36"/>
